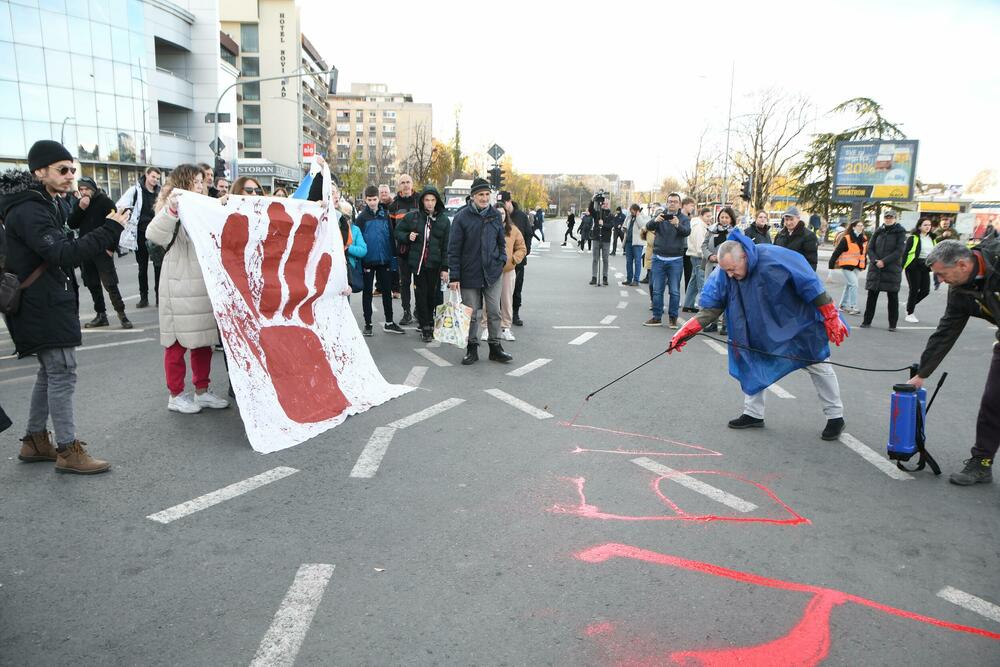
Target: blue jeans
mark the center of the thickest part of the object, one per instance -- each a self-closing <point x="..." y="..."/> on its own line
<point x="850" y="298"/>
<point x="666" y="274"/>
<point x="697" y="282"/>
<point x="633" y="262"/>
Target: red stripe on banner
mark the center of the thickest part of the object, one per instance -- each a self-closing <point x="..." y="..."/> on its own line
<point x="295" y="265"/>
<point x="278" y="231"/>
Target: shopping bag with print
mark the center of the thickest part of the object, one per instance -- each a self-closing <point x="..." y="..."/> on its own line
<point x="452" y="319"/>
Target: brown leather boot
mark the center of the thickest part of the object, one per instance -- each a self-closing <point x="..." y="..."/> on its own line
<point x="77" y="461"/>
<point x="36" y="447"/>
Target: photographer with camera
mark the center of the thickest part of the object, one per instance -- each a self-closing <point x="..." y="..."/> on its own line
<point x="603" y="227"/>
<point x="672" y="227"/>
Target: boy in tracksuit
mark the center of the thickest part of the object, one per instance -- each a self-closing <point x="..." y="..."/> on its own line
<point x="374" y="225"/>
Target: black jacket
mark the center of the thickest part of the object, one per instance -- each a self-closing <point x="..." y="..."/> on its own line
<point x="978" y="298"/>
<point x="670" y="241"/>
<point x="802" y="240"/>
<point x="603" y="225"/>
<point x="886" y="244"/>
<point x="49" y="313"/>
<point x="398" y="209"/>
<point x="93" y="217"/>
<point x="477" y="248"/>
<point x="759" y="236"/>
<point x="437" y="244"/>
<point x="520" y="220"/>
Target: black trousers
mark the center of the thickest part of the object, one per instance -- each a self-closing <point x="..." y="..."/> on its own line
<point x="384" y="276"/>
<point x="893" y="299"/>
<point x="405" y="282"/>
<point x="518" y="284"/>
<point x="586" y="240"/>
<point x="687" y="270"/>
<point x="114" y="294"/>
<point x="615" y="236"/>
<point x="988" y="423"/>
<point x="569" y="234"/>
<point x="428" y="295"/>
<point x="142" y="259"/>
<point x="918" y="277"/>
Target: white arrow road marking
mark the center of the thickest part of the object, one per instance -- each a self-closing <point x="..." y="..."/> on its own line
<point x="779" y="391"/>
<point x="371" y="456"/>
<point x="426" y="413"/>
<point x="622" y="304"/>
<point x="696" y="485"/>
<point x="715" y="346"/>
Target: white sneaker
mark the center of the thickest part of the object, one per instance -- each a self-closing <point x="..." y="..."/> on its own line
<point x="183" y="404"/>
<point x="484" y="334"/>
<point x="210" y="400"/>
<point x="507" y="335"/>
<point x="911" y="318"/>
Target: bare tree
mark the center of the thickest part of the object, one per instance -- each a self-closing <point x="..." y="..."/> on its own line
<point x="768" y="137"/>
<point x="417" y="162"/>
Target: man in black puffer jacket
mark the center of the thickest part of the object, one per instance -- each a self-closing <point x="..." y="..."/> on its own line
<point x="794" y="235"/>
<point x="47" y="324"/>
<point x="885" y="269"/>
<point x="90" y="213"/>
<point x="426" y="232"/>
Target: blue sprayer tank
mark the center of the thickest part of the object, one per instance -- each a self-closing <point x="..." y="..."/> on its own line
<point x="906" y="401"/>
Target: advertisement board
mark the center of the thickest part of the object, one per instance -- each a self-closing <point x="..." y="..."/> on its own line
<point x="874" y="170"/>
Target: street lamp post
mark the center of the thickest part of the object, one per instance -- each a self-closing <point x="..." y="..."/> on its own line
<point x="729" y="125"/>
<point x="62" y="131"/>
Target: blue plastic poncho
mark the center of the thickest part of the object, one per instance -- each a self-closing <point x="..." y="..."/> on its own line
<point x="770" y="310"/>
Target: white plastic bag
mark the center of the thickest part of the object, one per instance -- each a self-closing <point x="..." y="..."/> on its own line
<point x="452" y="319"/>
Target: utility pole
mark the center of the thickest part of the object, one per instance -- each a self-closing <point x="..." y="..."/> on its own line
<point x="729" y="125"/>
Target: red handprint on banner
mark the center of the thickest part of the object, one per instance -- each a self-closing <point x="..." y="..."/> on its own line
<point x="287" y="348"/>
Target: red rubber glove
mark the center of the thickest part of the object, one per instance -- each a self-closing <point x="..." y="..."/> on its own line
<point x="680" y="339"/>
<point x="836" y="330"/>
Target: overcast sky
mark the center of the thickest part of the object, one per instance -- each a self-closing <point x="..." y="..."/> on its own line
<point x="628" y="87"/>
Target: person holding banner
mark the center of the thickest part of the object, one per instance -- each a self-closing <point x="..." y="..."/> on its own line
<point x="187" y="321"/>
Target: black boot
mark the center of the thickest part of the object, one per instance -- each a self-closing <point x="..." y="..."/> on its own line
<point x="471" y="354"/>
<point x="593" y="281"/>
<point x="497" y="353"/>
<point x="407" y="318"/>
<point x="126" y="323"/>
<point x="517" y="322"/>
<point x="143" y="301"/>
<point x="100" y="320"/>
<point x="834" y="427"/>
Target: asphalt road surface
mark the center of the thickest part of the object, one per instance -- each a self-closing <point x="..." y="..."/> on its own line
<point x="513" y="523"/>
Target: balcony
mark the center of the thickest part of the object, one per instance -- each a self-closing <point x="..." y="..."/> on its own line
<point x="170" y="148"/>
<point x="170" y="88"/>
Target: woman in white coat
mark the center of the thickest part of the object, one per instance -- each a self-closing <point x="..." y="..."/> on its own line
<point x="186" y="318"/>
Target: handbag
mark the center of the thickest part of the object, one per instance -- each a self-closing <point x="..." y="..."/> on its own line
<point x="356" y="276"/>
<point x="11" y="288"/>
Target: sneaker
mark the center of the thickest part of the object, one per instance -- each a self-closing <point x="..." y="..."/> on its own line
<point x="653" y="322"/>
<point x="712" y="328"/>
<point x="182" y="404"/>
<point x="377" y="292"/>
<point x="673" y="322"/>
<point x="392" y="327"/>
<point x="484" y="334"/>
<point x="210" y="400"/>
<point x="723" y="331"/>
<point x="75" y="460"/>
<point x="645" y="281"/>
<point x="368" y="331"/>
<point x="406" y="319"/>
<point x="506" y="334"/>
<point x="976" y="470"/>
<point x="865" y="325"/>
<point x="834" y="427"/>
<point x="746" y="421"/>
<point x="911" y="318"/>
<point x="892" y="329"/>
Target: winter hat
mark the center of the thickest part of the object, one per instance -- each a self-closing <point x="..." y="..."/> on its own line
<point x="46" y="152"/>
<point x="371" y="191"/>
<point x="478" y="185"/>
<point x="88" y="182"/>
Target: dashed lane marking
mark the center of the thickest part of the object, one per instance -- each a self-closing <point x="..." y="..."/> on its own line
<point x="515" y="402"/>
<point x="431" y="357"/>
<point x="527" y="368"/>
<point x="291" y="622"/>
<point x="583" y="338"/>
<point x="779" y="391"/>
<point x="588" y="326"/>
<point x="116" y="330"/>
<point x="104" y="345"/>
<point x="215" y="497"/>
<point x="416" y="376"/>
<point x="371" y="456"/>
<point x="696" y="485"/>
<point x="426" y="413"/>
<point x="622" y="304"/>
<point x="970" y="602"/>
<point x="715" y="346"/>
<point x="623" y="293"/>
<point x="869" y="454"/>
<point x="609" y="319"/>
<point x="641" y="292"/>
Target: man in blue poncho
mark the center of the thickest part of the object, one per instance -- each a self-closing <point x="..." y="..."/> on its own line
<point x="775" y="304"/>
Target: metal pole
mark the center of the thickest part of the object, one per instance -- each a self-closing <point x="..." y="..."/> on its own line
<point x="729" y="125"/>
<point x="62" y="131"/>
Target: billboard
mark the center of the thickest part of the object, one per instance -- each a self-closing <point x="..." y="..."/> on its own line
<point x="874" y="170"/>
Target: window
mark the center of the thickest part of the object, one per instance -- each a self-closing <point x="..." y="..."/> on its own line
<point x="359" y="117"/>
<point x="26" y="24"/>
<point x="389" y="142"/>
<point x="343" y="127"/>
<point x="251" y="91"/>
<point x="227" y="56"/>
<point x="35" y="102"/>
<point x="11" y="137"/>
<point x="371" y="141"/>
<point x="371" y="115"/>
<point x="251" y="154"/>
<point x="251" y="137"/>
<point x="359" y="127"/>
<point x="249" y="37"/>
<point x="251" y="66"/>
<point x="341" y="141"/>
<point x="251" y="114"/>
<point x="11" y="108"/>
<point x="371" y="169"/>
<point x="343" y="115"/>
<point x="358" y="141"/>
<point x="372" y="128"/>
<point x="389" y="114"/>
<point x="54" y="31"/>
<point x="389" y="129"/>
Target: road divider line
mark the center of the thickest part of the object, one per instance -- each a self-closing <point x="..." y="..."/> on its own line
<point x="371" y="456"/>
<point x="516" y="402"/>
<point x="609" y="319"/>
<point x="104" y="345"/>
<point x="587" y="326"/>
<point x="226" y="493"/>
<point x="416" y="376"/>
<point x="641" y="292"/>
<point x="715" y="346"/>
<point x="426" y="413"/>
<point x="869" y="454"/>
<point x="623" y="293"/>
<point x="780" y="391"/>
<point x="291" y="622"/>
<point x="696" y="485"/>
<point x="583" y="338"/>
<point x="431" y="357"/>
<point x="115" y="331"/>
<point x="970" y="602"/>
<point x="622" y="304"/>
<point x="23" y="378"/>
<point x="527" y="368"/>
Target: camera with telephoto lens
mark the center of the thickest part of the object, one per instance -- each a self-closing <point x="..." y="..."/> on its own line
<point x="599" y="197"/>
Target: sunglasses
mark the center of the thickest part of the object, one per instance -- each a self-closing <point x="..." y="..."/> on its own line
<point x="62" y="171"/>
<point x="252" y="191"/>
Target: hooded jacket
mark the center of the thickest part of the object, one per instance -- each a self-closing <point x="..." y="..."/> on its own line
<point x="758" y="235"/>
<point x="86" y="221"/>
<point x="435" y="246"/>
<point x="802" y="240"/>
<point x="772" y="309"/>
<point x="377" y="231"/>
<point x="477" y="249"/>
<point x="886" y="244"/>
<point x="49" y="314"/>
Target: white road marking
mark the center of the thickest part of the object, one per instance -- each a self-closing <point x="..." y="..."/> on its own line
<point x="623" y="293"/>
<point x="622" y="304"/>
<point x="583" y="338"/>
<point x="715" y="346"/>
<point x="226" y="493"/>
<point x="780" y="391"/>
<point x="291" y="622"/>
<point x="869" y="454"/>
<point x="426" y="413"/>
<point x="918" y="328"/>
<point x="416" y="376"/>
<point x="115" y="331"/>
<point x="24" y="378"/>
<point x="515" y="402"/>
<point x="104" y="345"/>
<point x="696" y="485"/>
<point x="527" y="368"/>
<point x="609" y="319"/>
<point x="970" y="602"/>
<point x="431" y="357"/>
<point x="434" y="343"/>
<point x="641" y="292"/>
<point x="371" y="456"/>
<point x="588" y="326"/>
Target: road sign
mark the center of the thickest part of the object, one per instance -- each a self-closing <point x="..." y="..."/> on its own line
<point x="308" y="150"/>
<point x="495" y="152"/>
<point x="217" y="149"/>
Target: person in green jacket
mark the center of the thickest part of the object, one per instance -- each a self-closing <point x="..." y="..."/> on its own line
<point x="426" y="230"/>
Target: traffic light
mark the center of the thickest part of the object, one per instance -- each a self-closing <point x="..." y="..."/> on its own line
<point x="496" y="177"/>
<point x="499" y="178"/>
<point x="220" y="166"/>
<point x="747" y="192"/>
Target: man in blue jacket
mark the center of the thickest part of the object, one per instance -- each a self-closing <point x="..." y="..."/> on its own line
<point x="775" y="304"/>
<point x="672" y="228"/>
<point x="477" y="252"/>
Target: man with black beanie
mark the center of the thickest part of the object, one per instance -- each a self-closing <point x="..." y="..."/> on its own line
<point x="520" y="220"/>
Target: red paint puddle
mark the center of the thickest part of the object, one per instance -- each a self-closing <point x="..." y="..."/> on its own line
<point x="805" y="645"/>
<point x="588" y="511"/>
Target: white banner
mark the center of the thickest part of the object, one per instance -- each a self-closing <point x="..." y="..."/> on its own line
<point x="276" y="274"/>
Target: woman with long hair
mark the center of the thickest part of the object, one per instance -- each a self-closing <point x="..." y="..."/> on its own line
<point x="918" y="276"/>
<point x="516" y="251"/>
<point x="849" y="257"/>
<point x="247" y="187"/>
<point x="717" y="234"/>
<point x="187" y="321"/>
